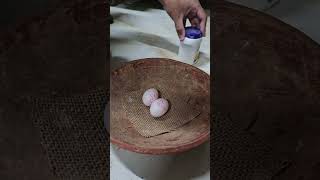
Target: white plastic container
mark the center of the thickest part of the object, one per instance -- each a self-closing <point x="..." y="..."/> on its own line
<point x="189" y="47"/>
<point x="145" y="166"/>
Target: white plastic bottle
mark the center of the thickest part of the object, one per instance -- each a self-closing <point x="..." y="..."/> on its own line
<point x="189" y="47"/>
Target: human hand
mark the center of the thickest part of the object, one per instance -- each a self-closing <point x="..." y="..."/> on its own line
<point x="181" y="10"/>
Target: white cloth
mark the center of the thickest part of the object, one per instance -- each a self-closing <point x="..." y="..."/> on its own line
<point x="149" y="34"/>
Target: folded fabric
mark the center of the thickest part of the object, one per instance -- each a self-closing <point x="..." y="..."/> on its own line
<point x="180" y="113"/>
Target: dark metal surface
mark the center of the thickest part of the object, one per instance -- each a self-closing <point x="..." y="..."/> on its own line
<point x="60" y="53"/>
<point x="267" y="77"/>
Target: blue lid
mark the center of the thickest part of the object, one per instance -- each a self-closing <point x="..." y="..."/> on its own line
<point x="193" y="32"/>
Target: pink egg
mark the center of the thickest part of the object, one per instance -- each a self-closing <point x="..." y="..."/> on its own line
<point x="159" y="107"/>
<point x="149" y="96"/>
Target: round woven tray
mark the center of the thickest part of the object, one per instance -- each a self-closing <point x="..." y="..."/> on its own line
<point x="179" y="77"/>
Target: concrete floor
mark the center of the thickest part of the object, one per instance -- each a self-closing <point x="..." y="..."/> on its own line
<point x="299" y="14"/>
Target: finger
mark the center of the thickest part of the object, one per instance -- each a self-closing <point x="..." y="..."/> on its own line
<point x="180" y="27"/>
<point x="195" y="22"/>
<point x="193" y="18"/>
<point x="203" y="24"/>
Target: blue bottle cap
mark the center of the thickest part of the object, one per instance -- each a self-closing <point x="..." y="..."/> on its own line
<point x="193" y="32"/>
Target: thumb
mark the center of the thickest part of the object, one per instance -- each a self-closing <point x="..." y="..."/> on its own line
<point x="203" y="25"/>
<point x="180" y="28"/>
<point x="203" y="21"/>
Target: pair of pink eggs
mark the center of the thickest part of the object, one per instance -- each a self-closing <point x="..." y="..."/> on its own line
<point x="158" y="106"/>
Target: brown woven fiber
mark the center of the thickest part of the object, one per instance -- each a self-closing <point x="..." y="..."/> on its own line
<point x="180" y="112"/>
<point x="73" y="136"/>
<point x="60" y="51"/>
<point x="267" y="80"/>
<point x="236" y="154"/>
